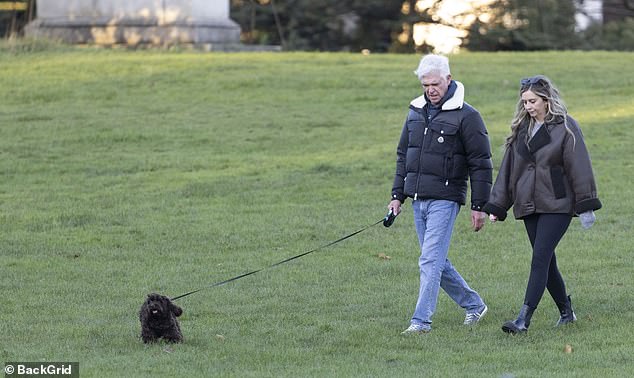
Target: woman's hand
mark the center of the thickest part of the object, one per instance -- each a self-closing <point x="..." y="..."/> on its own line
<point x="587" y="219"/>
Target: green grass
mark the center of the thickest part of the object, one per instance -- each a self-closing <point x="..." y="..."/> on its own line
<point x="123" y="173"/>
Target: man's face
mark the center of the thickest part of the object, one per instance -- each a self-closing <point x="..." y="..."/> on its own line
<point x="435" y="86"/>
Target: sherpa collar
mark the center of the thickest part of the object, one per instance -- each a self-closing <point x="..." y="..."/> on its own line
<point x="455" y="102"/>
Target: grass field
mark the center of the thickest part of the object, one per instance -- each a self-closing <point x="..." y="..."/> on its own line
<point x="124" y="173"/>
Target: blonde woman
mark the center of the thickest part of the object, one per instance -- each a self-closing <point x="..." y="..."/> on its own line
<point x="546" y="175"/>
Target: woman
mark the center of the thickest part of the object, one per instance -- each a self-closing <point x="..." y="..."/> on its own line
<point x="546" y="175"/>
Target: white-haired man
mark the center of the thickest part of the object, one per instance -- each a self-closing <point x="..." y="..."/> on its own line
<point x="444" y="143"/>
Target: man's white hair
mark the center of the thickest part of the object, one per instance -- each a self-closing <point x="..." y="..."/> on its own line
<point x="433" y="64"/>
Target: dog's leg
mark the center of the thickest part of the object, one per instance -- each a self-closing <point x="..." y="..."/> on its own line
<point x="148" y="336"/>
<point x="174" y="334"/>
<point x="175" y="338"/>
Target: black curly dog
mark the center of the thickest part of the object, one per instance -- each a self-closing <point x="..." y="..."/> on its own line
<point x="158" y="319"/>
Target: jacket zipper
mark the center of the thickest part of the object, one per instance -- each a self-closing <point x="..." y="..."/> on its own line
<point x="446" y="171"/>
<point x="420" y="157"/>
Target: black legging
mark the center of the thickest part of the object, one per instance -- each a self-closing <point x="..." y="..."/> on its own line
<point x="545" y="231"/>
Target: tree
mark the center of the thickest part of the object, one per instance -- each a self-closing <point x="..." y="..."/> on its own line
<point x="447" y="19"/>
<point x="326" y="25"/>
<point x="615" y="35"/>
<point x="525" y="25"/>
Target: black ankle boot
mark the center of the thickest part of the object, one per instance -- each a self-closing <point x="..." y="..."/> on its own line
<point x="566" y="313"/>
<point x="519" y="325"/>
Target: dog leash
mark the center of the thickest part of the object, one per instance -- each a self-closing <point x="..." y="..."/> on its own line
<point x="387" y="222"/>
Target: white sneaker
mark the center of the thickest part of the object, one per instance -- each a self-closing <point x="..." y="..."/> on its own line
<point x="474" y="317"/>
<point x="416" y="329"/>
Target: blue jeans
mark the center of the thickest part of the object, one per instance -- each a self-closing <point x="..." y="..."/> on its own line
<point x="434" y="220"/>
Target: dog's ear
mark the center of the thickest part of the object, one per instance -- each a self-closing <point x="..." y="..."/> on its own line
<point x="175" y="309"/>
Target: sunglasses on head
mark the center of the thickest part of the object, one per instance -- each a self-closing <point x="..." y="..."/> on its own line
<point x="530" y="81"/>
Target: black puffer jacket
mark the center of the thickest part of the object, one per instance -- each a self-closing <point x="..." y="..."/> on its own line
<point x="435" y="158"/>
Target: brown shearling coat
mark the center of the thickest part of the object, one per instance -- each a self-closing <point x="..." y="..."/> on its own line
<point x="550" y="173"/>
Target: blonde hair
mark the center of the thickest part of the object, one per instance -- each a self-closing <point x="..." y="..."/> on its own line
<point x="555" y="108"/>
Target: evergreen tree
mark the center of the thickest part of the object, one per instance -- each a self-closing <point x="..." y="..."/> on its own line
<point x="326" y="25"/>
<point x="525" y="25"/>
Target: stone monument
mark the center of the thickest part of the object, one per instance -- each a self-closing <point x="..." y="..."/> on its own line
<point x="203" y="23"/>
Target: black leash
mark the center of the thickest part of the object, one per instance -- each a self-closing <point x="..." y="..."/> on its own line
<point x="387" y="222"/>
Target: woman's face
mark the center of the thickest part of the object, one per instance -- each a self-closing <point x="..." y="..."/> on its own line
<point x="534" y="105"/>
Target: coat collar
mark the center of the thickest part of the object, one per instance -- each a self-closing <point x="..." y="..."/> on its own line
<point x="541" y="138"/>
<point x="455" y="102"/>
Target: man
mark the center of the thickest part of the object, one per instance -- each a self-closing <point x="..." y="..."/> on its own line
<point x="444" y="142"/>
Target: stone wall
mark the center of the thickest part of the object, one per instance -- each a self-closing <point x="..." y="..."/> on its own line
<point x="134" y="22"/>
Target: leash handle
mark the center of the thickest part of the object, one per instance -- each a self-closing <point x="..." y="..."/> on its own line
<point x="389" y="218"/>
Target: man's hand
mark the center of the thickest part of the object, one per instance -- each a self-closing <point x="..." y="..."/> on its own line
<point x="477" y="220"/>
<point x="395" y="206"/>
